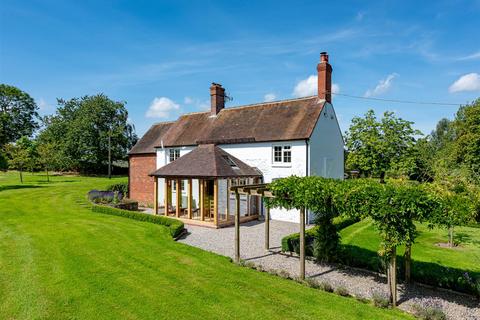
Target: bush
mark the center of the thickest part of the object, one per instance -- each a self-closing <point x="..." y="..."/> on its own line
<point x="120" y="187"/>
<point x="428" y="312"/>
<point x="98" y="196"/>
<point x="342" y="291"/>
<point x="127" y="204"/>
<point x="380" y="299"/>
<point x="291" y="243"/>
<point x="325" y="286"/>
<point x="326" y="239"/>
<point x="176" y="227"/>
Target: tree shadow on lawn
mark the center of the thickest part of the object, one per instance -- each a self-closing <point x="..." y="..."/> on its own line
<point x="19" y="186"/>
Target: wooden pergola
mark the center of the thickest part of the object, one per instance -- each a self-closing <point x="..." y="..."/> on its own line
<point x="263" y="191"/>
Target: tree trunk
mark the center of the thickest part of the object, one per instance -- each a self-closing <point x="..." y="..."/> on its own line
<point x="48" y="178"/>
<point x="408" y="262"/>
<point x="382" y="177"/>
<point x="21" y="176"/>
<point x="392" y="277"/>
<point x="450" y="237"/>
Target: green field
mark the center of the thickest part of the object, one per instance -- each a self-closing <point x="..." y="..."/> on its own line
<point x="58" y="260"/>
<point x="465" y="256"/>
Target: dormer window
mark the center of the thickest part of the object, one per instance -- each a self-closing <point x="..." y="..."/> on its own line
<point x="174" y="155"/>
<point x="282" y="154"/>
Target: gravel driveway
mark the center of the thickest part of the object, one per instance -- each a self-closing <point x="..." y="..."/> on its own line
<point x="358" y="282"/>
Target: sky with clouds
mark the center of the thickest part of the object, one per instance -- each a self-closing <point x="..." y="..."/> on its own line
<point x="161" y="56"/>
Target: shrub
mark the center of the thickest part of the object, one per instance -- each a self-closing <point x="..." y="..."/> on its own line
<point x="98" y="196"/>
<point x="312" y="283"/>
<point x="428" y="312"/>
<point x="176" y="227"/>
<point x="380" y="299"/>
<point x="120" y="187"/>
<point x="342" y="291"/>
<point x="326" y="239"/>
<point x="291" y="243"/>
<point x="325" y="286"/>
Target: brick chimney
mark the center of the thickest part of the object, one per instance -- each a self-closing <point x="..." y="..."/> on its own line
<point x="324" y="70"/>
<point x="217" y="98"/>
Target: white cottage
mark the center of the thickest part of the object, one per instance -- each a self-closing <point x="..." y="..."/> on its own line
<point x="200" y="155"/>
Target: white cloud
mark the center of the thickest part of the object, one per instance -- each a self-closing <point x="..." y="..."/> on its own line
<point x="306" y="87"/>
<point x="472" y="56"/>
<point x="309" y="87"/>
<point x="382" y="87"/>
<point x="161" y="108"/>
<point x="269" y="97"/>
<point x="467" y="82"/>
<point x="360" y="15"/>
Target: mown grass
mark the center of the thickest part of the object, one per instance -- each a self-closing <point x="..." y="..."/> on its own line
<point x="465" y="256"/>
<point x="58" y="260"/>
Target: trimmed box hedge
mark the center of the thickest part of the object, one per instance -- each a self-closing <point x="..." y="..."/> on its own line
<point x="176" y="227"/>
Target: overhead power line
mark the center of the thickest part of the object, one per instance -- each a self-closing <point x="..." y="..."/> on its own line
<point x="398" y="101"/>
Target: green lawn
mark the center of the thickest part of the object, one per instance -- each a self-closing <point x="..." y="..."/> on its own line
<point x="466" y="256"/>
<point x="58" y="260"/>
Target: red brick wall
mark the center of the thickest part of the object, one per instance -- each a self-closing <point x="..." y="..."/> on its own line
<point x="141" y="185"/>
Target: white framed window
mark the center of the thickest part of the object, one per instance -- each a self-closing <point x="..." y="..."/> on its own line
<point x="174" y="185"/>
<point x="282" y="154"/>
<point x="174" y="154"/>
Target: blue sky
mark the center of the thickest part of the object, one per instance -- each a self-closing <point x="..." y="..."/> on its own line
<point x="161" y="56"/>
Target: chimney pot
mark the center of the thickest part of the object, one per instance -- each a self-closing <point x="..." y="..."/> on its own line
<point x="217" y="98"/>
<point x="324" y="70"/>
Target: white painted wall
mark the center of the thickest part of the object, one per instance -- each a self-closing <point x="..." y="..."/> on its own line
<point x="326" y="155"/>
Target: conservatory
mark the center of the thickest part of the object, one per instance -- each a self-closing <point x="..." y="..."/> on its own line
<point x="195" y="188"/>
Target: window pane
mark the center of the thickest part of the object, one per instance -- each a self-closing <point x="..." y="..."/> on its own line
<point x="277" y="154"/>
<point x="287" y="156"/>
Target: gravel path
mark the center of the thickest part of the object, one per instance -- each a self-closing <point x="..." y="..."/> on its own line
<point x="358" y="282"/>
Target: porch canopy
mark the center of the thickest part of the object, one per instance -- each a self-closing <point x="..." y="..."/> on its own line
<point x="208" y="164"/>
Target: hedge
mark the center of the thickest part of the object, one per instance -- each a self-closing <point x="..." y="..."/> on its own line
<point x="291" y="243"/>
<point x="423" y="272"/>
<point x="176" y="227"/>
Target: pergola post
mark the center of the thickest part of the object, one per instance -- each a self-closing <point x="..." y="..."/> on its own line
<point x="302" y="243"/>
<point x="166" y="194"/>
<point x="237" y="226"/>
<point x="155" y="195"/>
<point x="202" y="199"/>
<point x="267" y="228"/>
<point x="179" y="197"/>
<point x="215" y="202"/>
<point x="189" y="198"/>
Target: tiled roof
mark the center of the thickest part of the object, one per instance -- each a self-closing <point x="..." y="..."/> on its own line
<point x="273" y="121"/>
<point x="151" y="138"/>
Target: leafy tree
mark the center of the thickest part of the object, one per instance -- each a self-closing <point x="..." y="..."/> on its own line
<point x="19" y="155"/>
<point x="3" y="160"/>
<point x="81" y="128"/>
<point x="48" y="156"/>
<point x="377" y="147"/>
<point x="467" y="138"/>
<point x="18" y="114"/>
<point x="459" y="206"/>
